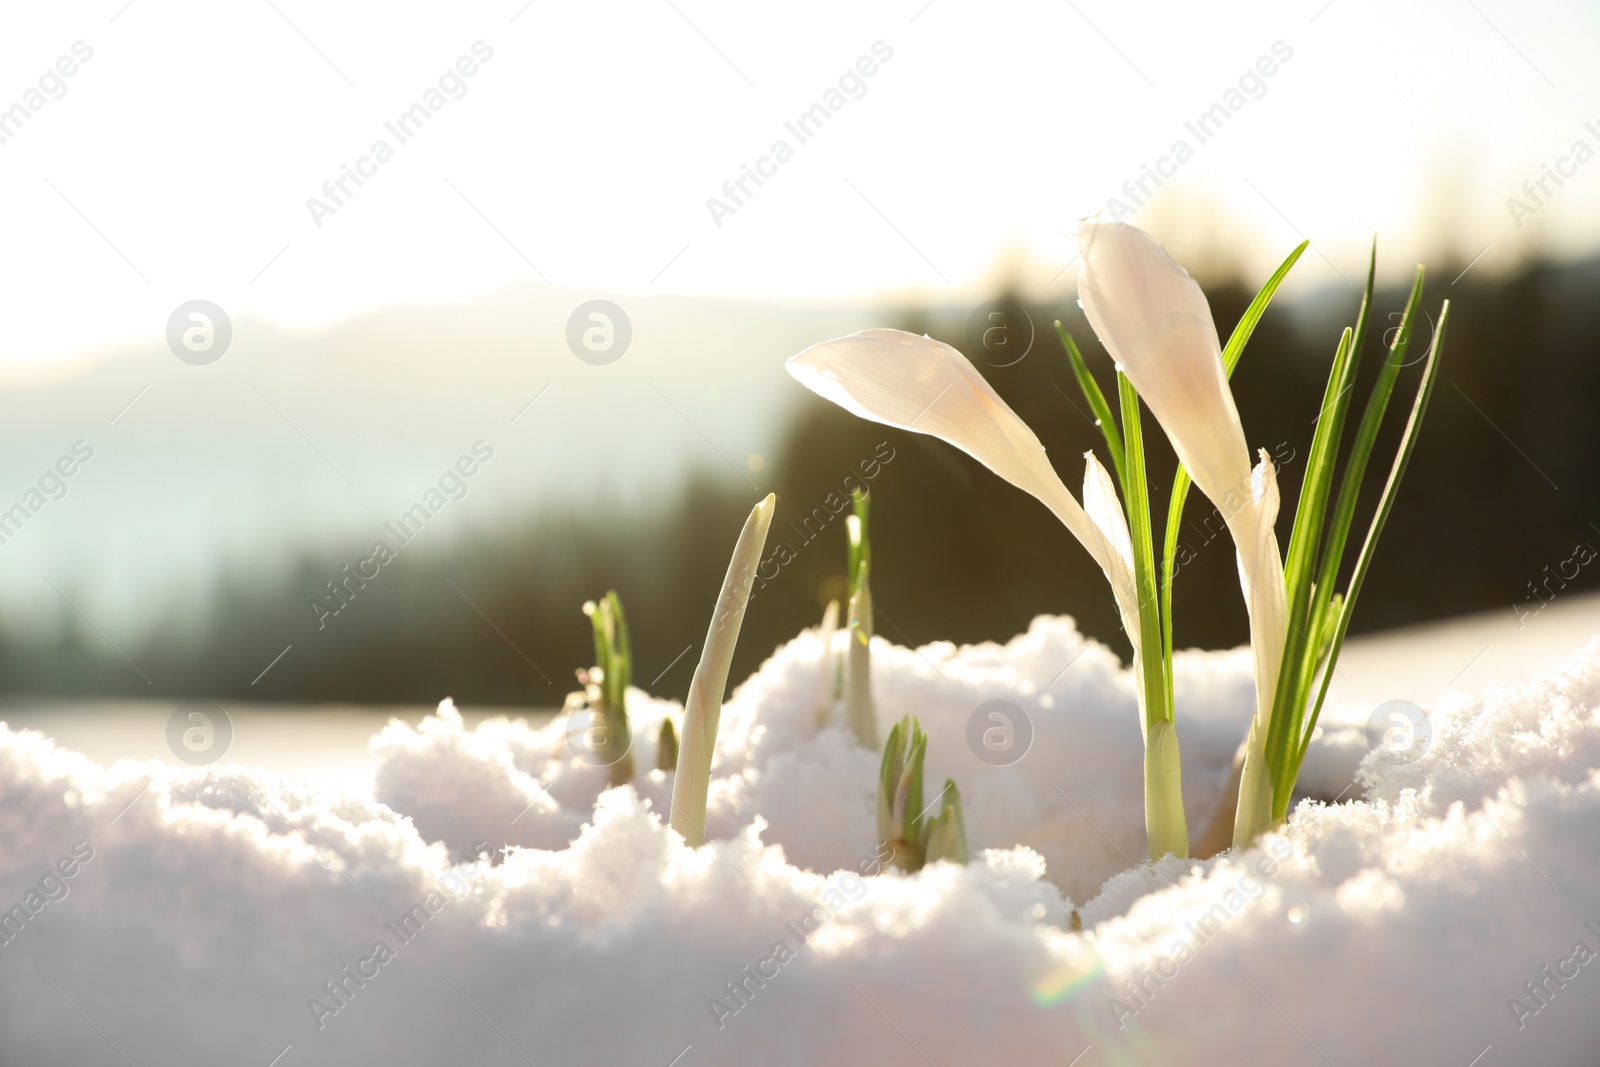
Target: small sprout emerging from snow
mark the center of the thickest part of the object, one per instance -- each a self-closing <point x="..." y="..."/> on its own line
<point x="667" y="747"/>
<point x="947" y="832"/>
<point x="903" y="823"/>
<point x="900" y="792"/>
<point x="606" y="687"/>
<point x="858" y="705"/>
<point x="860" y="546"/>
<point x="859" y="708"/>
<point x="702" y="711"/>
<point x="826" y="694"/>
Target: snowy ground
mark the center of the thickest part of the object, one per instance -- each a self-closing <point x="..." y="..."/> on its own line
<point x="231" y="915"/>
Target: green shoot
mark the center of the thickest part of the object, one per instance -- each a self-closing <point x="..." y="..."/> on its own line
<point x="946" y="834"/>
<point x="667" y="747"/>
<point x="1097" y="404"/>
<point x="702" y="711"/>
<point x="1319" y="616"/>
<point x="1419" y="409"/>
<point x="859" y="708"/>
<point x="827" y="693"/>
<point x="607" y="687"/>
<point x="903" y="822"/>
<point x="860" y="544"/>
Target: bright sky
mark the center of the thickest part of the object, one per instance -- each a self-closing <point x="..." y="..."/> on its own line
<point x="176" y="161"/>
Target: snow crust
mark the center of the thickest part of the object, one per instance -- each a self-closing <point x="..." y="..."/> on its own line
<point x="491" y="905"/>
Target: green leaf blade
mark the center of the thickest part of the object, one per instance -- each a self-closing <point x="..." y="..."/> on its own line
<point x="1097" y="403"/>
<point x="1402" y="459"/>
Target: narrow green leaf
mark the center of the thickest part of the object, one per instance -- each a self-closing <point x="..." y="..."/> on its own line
<point x="1330" y="621"/>
<point x="1303" y="635"/>
<point x="908" y="801"/>
<point x="860" y="543"/>
<point x="1318" y="621"/>
<point x="889" y="777"/>
<point x="1309" y="514"/>
<point x="1097" y="403"/>
<point x="1165" y="827"/>
<point x="946" y="834"/>
<point x="1136" y="501"/>
<point x="1408" y="443"/>
<point x="859" y="710"/>
<point x="620" y="674"/>
<point x="1258" y="307"/>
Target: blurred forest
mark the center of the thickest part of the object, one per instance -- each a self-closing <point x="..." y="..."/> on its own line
<point x="494" y="619"/>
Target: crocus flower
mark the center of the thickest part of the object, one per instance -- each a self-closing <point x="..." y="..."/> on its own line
<point x="916" y="383"/>
<point x="1154" y="320"/>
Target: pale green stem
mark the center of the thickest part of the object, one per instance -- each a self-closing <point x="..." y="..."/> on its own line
<point x="830" y="626"/>
<point x="702" y="711"/>
<point x="1165" y="827"/>
<point x="858" y="666"/>
<point x="1163" y="791"/>
<point x="1253" y="815"/>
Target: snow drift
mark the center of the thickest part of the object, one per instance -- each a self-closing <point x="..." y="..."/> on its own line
<point x="491" y="906"/>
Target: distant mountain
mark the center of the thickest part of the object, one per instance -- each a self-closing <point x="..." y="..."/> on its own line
<point x="206" y="526"/>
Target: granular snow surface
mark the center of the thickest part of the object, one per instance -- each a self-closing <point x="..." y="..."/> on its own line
<point x="494" y="904"/>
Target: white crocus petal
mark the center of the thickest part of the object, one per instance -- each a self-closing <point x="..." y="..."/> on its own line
<point x="916" y="383"/>
<point x="1154" y="320"/>
<point x="1110" y="524"/>
<point x="1261" y="573"/>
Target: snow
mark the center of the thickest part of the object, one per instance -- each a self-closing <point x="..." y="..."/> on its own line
<point x="220" y="906"/>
